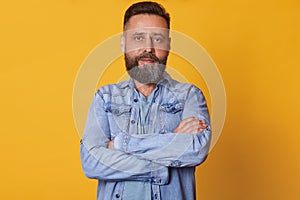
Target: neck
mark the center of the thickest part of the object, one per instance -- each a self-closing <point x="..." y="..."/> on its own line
<point x="145" y="89"/>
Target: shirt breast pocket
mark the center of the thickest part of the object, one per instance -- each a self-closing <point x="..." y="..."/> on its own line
<point x="171" y="116"/>
<point x="118" y="116"/>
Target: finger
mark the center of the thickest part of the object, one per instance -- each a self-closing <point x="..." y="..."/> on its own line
<point x="190" y="125"/>
<point x="186" y="123"/>
<point x="189" y="119"/>
<point x="202" y="123"/>
<point x="191" y="128"/>
<point x="202" y="126"/>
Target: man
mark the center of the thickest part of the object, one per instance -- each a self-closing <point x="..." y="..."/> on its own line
<point x="144" y="137"/>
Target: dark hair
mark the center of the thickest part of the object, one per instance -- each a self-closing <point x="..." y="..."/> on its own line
<point x="146" y="7"/>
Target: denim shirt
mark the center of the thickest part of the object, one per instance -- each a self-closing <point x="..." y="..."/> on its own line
<point x="137" y="190"/>
<point x="164" y="159"/>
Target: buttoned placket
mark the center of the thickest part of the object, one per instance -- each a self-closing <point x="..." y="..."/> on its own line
<point x="134" y="113"/>
<point x="155" y="192"/>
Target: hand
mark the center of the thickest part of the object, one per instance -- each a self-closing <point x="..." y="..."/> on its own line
<point x="110" y="144"/>
<point x="190" y="125"/>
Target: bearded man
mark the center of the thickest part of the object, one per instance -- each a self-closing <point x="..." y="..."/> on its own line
<point x="144" y="137"/>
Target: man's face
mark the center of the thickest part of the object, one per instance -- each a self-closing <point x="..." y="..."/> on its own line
<point x="146" y="45"/>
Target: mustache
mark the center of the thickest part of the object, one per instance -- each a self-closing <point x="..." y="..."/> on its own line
<point x="147" y="55"/>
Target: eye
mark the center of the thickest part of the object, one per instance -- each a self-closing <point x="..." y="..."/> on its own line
<point x="157" y="39"/>
<point x="138" y="38"/>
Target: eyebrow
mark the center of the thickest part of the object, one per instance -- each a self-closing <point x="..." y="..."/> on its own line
<point x="153" y="34"/>
<point x="159" y="34"/>
<point x="139" y="33"/>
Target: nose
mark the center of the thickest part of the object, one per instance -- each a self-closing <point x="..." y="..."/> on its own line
<point x="149" y="47"/>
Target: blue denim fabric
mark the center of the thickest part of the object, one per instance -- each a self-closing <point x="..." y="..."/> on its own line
<point x="160" y="157"/>
<point x="137" y="190"/>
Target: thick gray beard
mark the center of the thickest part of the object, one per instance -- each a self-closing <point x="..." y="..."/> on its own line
<point x="149" y="73"/>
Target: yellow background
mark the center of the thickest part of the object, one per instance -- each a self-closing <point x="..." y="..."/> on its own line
<point x="254" y="43"/>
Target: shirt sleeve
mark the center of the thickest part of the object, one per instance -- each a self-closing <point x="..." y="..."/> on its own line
<point x="102" y="163"/>
<point x="174" y="150"/>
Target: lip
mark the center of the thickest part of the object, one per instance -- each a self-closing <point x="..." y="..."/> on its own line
<point x="146" y="60"/>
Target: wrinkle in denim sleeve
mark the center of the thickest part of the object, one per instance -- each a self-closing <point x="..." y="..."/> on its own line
<point x="102" y="163"/>
<point x="181" y="149"/>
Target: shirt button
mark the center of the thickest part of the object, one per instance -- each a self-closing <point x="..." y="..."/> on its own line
<point x="132" y="121"/>
<point x="155" y="196"/>
<point x="117" y="195"/>
<point x="135" y="100"/>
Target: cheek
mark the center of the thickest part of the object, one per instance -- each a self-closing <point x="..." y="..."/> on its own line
<point x="133" y="51"/>
<point x="131" y="55"/>
<point x="161" y="54"/>
<point x="133" y="47"/>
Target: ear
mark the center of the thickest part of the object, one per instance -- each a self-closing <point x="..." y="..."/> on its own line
<point x="122" y="38"/>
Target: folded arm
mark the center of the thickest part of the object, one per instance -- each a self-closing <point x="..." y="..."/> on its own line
<point x="187" y="145"/>
<point x="103" y="163"/>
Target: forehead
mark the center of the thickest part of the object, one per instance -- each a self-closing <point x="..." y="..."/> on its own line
<point x="147" y="31"/>
<point x="143" y="21"/>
